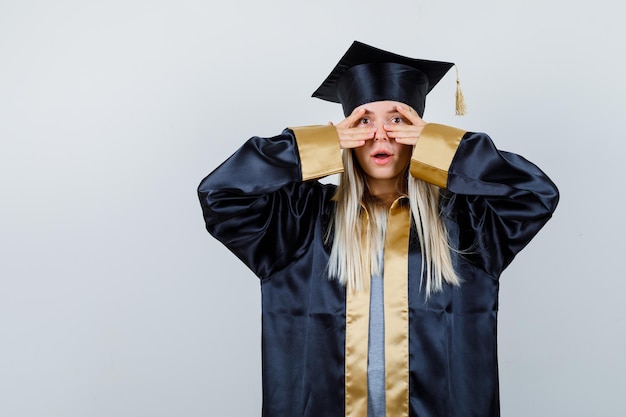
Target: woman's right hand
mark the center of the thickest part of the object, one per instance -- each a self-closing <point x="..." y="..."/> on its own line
<point x="351" y="133"/>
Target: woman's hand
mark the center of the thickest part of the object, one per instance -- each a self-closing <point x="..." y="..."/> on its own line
<point x="351" y="134"/>
<point x="406" y="133"/>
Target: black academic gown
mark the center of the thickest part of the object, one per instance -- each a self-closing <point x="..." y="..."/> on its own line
<point x="265" y="205"/>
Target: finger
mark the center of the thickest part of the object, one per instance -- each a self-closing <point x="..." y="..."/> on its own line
<point x="354" y="137"/>
<point x="406" y="137"/>
<point x="349" y="144"/>
<point x="364" y="132"/>
<point x="410" y="114"/>
<point x="404" y="134"/>
<point x="403" y="131"/>
<point x="354" y="142"/>
<point x="407" y="141"/>
<point x="353" y="118"/>
<point x="350" y="138"/>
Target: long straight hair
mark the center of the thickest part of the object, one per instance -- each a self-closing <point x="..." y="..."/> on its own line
<point x="353" y="260"/>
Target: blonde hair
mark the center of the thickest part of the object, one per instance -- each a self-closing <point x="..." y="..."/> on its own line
<point x="350" y="264"/>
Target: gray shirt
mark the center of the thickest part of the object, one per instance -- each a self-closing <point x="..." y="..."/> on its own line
<point x="376" y="351"/>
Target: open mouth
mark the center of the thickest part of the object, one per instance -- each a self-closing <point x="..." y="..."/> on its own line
<point x="381" y="157"/>
<point x="381" y="154"/>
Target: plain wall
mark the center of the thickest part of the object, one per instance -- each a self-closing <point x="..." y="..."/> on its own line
<point x="114" y="301"/>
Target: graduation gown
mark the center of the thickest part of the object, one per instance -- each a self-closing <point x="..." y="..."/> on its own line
<point x="265" y="204"/>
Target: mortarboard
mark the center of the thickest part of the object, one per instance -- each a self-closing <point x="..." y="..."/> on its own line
<point x="365" y="74"/>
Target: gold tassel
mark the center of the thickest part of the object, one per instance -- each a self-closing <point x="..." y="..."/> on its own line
<point x="461" y="108"/>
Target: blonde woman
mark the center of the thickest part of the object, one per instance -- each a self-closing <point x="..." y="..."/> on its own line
<point x="379" y="295"/>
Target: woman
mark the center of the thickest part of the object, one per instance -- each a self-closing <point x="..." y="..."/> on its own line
<point x="379" y="295"/>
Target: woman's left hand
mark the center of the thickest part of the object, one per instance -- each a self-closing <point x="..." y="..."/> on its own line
<point x="406" y="133"/>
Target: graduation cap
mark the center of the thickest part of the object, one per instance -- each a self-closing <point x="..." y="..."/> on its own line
<point x="366" y="74"/>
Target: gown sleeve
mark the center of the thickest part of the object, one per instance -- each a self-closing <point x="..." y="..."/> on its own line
<point x="499" y="199"/>
<point x="262" y="202"/>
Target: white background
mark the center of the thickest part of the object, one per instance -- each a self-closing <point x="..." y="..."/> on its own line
<point x="114" y="301"/>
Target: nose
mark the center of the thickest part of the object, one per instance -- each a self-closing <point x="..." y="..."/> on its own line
<point x="381" y="133"/>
